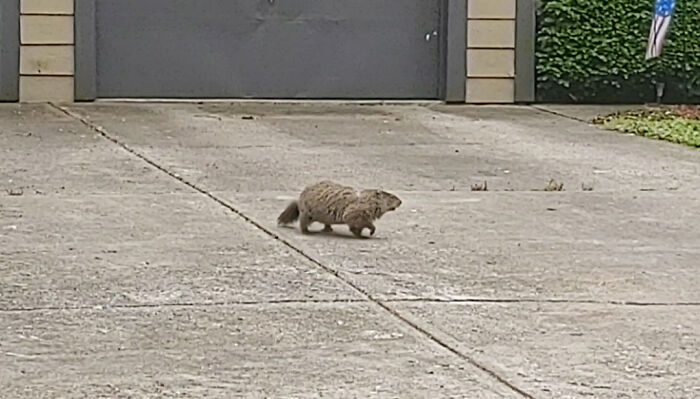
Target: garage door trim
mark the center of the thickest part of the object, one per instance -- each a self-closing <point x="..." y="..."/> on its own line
<point x="9" y="50"/>
<point x="85" y="51"/>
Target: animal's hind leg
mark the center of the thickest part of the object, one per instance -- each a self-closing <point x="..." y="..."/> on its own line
<point x="327" y="228"/>
<point x="304" y="222"/>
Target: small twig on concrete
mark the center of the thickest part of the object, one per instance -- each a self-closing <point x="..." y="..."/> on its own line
<point x="553" y="185"/>
<point x="480" y="187"/>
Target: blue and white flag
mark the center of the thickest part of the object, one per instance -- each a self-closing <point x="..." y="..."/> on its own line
<point x="663" y="11"/>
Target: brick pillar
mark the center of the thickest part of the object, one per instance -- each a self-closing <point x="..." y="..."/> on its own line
<point x="46" y="51"/>
<point x="491" y="51"/>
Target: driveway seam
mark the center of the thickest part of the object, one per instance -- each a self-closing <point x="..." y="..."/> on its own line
<point x="184" y="305"/>
<point x="358" y="289"/>
<point x="534" y="300"/>
<point x="559" y="114"/>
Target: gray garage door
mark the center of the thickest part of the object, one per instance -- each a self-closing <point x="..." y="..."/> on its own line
<point x="266" y="48"/>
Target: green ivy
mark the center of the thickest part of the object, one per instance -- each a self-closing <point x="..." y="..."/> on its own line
<point x="593" y="51"/>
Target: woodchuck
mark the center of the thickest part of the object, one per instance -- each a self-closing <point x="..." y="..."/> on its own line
<point x="332" y="203"/>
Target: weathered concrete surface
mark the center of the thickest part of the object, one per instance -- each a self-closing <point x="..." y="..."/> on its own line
<point x="132" y="250"/>
<point x="290" y="350"/>
<point x="578" y="351"/>
<point x="124" y="271"/>
<point x="43" y="152"/>
<point x="414" y="148"/>
<point x="585" y="246"/>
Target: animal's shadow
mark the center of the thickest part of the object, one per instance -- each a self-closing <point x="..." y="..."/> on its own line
<point x="336" y="234"/>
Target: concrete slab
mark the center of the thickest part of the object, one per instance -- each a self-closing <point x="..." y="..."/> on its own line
<point x="43" y="151"/>
<point x="539" y="246"/>
<point x="582" y="153"/>
<point x="130" y="250"/>
<point x="283" y="351"/>
<point x="138" y="280"/>
<point x="605" y="242"/>
<point x="438" y="148"/>
<point x="577" y="350"/>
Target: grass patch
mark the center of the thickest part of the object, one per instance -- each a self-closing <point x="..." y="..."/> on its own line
<point x="679" y="124"/>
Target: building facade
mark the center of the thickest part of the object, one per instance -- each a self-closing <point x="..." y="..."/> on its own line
<point x="473" y="51"/>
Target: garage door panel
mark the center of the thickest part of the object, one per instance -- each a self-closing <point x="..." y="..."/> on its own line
<point x="267" y="48"/>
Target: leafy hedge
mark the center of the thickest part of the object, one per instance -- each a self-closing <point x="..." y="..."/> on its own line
<point x="593" y="51"/>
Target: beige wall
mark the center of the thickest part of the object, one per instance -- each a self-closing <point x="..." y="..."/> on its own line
<point x="46" y="51"/>
<point x="491" y="51"/>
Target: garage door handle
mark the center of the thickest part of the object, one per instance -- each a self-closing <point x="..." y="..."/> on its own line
<point x="429" y="36"/>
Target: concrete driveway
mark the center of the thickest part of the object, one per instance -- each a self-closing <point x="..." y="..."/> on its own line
<point x="139" y="256"/>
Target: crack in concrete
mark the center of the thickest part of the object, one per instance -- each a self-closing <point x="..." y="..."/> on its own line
<point x="535" y="300"/>
<point x="183" y="305"/>
<point x="374" y="145"/>
<point x="353" y="286"/>
<point x="338" y="300"/>
<point x="559" y="114"/>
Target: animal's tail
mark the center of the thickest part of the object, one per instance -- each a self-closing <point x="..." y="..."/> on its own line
<point x="289" y="215"/>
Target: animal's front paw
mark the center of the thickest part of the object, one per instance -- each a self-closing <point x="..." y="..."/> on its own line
<point x="357" y="232"/>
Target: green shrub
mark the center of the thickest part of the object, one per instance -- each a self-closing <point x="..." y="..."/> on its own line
<point x="593" y="51"/>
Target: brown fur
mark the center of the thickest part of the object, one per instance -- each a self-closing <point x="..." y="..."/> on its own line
<point x="332" y="203"/>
